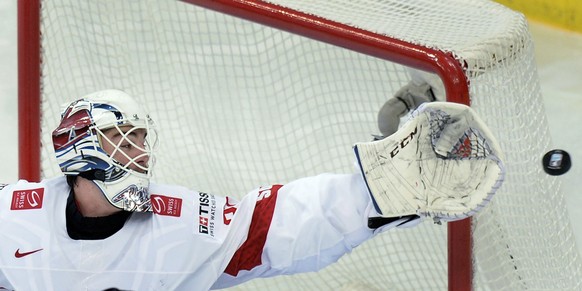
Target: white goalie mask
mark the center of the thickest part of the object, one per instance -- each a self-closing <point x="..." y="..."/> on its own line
<point x="106" y="137"/>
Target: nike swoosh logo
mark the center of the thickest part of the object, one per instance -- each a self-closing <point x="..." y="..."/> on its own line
<point x="18" y="254"/>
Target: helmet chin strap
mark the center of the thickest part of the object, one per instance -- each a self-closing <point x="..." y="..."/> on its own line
<point x="129" y="194"/>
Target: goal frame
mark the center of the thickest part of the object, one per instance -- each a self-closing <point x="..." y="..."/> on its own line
<point x="460" y="263"/>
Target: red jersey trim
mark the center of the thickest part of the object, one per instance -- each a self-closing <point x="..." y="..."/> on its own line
<point x="249" y="253"/>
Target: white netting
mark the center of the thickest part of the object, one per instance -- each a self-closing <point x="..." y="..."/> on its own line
<point x="242" y="105"/>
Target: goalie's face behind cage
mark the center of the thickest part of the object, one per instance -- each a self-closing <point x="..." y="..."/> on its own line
<point x="106" y="137"/>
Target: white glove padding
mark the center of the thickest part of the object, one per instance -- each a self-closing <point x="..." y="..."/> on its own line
<point x="443" y="163"/>
<point x="405" y="100"/>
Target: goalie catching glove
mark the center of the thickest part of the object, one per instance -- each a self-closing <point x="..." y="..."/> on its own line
<point x="444" y="163"/>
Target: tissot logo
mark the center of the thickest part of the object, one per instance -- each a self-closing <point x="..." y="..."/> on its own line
<point x="206" y="213"/>
<point x="203" y="210"/>
<point x="27" y="199"/>
<point x="164" y="205"/>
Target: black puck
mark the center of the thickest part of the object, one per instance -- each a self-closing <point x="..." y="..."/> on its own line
<point x="556" y="162"/>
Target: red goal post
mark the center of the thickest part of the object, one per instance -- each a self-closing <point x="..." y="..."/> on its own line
<point x="492" y="68"/>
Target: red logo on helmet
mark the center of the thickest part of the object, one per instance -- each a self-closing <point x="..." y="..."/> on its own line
<point x="164" y="205"/>
<point x="27" y="199"/>
<point x="74" y="127"/>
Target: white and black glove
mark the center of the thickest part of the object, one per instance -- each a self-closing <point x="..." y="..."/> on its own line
<point x="444" y="163"/>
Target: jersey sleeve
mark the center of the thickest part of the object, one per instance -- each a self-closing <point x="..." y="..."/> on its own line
<point x="302" y="226"/>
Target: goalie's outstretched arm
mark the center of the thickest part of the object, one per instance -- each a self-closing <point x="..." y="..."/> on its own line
<point x="444" y="165"/>
<point x="314" y="222"/>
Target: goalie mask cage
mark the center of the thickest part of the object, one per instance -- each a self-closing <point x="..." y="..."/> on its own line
<point x="248" y="93"/>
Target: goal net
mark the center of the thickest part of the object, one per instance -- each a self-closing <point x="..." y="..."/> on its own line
<point x="250" y="93"/>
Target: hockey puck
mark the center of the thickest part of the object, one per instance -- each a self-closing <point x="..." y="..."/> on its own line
<point x="556" y="162"/>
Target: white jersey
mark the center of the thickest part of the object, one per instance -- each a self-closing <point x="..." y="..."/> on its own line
<point x="191" y="241"/>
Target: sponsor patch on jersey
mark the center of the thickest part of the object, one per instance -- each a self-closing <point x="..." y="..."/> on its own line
<point x="165" y="205"/>
<point x="206" y="213"/>
<point x="27" y="199"/>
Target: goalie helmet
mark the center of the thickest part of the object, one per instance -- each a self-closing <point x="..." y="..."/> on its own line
<point x="80" y="142"/>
